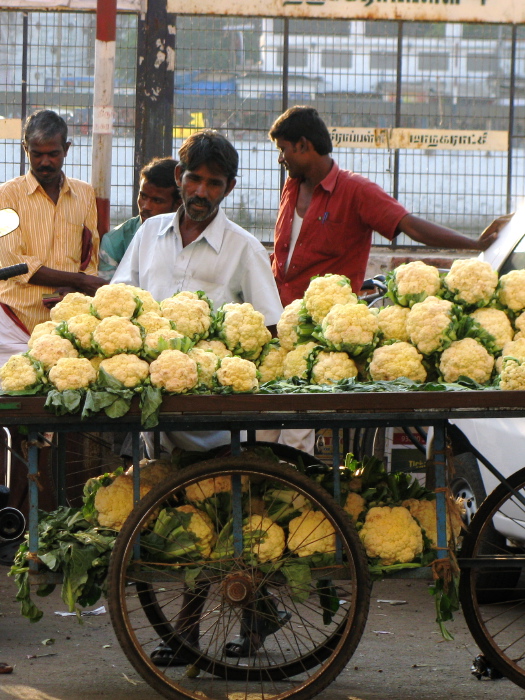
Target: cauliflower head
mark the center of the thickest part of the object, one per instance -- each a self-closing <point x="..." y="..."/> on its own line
<point x="48" y="349"/>
<point x="324" y="292"/>
<point x="79" y="330"/>
<point x="512" y="376"/>
<point x="164" y="339"/>
<point x="511" y="290"/>
<point x="497" y="325"/>
<point x="72" y="373"/>
<point x="515" y="348"/>
<point x="266" y="539"/>
<point x="519" y="324"/>
<point x="207" y="363"/>
<point x="329" y="367"/>
<point x="152" y="321"/>
<point x="154" y="471"/>
<point x="201" y="526"/>
<point x="237" y="373"/>
<point x="466" y="358"/>
<point x="425" y="513"/>
<point x="72" y="304"/>
<point x="392" y="321"/>
<point x="147" y="302"/>
<point x="431" y="325"/>
<point x="174" y="371"/>
<point x="391" y="534"/>
<point x="311" y="533"/>
<point x="295" y="363"/>
<point x="413" y="282"/>
<point x="354" y="505"/>
<point x="117" y="334"/>
<point x="207" y="488"/>
<point x="115" y="300"/>
<point x="399" y="359"/>
<point x="242" y="329"/>
<point x="41" y="329"/>
<point x="287" y="324"/>
<point x="350" y="327"/>
<point x="20" y="373"/>
<point x="216" y="346"/>
<point x="128" y="369"/>
<point x="115" y="502"/>
<point x="271" y="361"/>
<point x="189" y="314"/>
<point x="470" y="282"/>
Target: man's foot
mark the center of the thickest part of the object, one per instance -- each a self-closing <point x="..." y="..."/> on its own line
<point x="163" y="655"/>
<point x="252" y="637"/>
<point x="5" y="668"/>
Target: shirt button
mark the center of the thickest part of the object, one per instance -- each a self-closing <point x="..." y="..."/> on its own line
<point x="286" y="284"/>
<point x="286" y="245"/>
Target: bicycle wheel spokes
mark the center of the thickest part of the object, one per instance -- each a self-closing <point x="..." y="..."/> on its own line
<point x="266" y="623"/>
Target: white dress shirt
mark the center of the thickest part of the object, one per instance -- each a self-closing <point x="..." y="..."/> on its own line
<point x="225" y="261"/>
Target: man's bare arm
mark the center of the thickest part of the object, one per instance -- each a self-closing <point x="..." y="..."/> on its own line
<point x="78" y="281"/>
<point x="438" y="236"/>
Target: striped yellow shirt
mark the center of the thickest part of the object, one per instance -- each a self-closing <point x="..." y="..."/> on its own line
<point x="49" y="235"/>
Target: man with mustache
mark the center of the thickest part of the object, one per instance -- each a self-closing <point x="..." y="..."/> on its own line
<point x="57" y="236"/>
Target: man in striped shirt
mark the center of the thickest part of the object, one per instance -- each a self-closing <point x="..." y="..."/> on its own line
<point x="57" y="237"/>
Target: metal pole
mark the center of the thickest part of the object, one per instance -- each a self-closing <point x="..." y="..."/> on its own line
<point x="286" y="66"/>
<point x="512" y="95"/>
<point x="103" y="108"/>
<point x="23" y="94"/>
<point x="399" y="82"/>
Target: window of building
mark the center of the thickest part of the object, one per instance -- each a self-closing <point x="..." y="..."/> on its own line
<point x="338" y="60"/>
<point x="482" y="63"/>
<point x="317" y="27"/>
<point x="431" y="61"/>
<point x="297" y="58"/>
<point x="383" y="60"/>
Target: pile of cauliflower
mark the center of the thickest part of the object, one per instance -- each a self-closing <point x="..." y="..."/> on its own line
<point x="123" y="338"/>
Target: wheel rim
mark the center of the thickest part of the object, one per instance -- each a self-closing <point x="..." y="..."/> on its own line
<point x="232" y="593"/>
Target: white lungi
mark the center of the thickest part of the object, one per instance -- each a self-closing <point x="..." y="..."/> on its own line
<point x="13" y="339"/>
<point x="301" y="439"/>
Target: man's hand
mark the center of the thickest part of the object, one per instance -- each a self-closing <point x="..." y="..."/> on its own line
<point x="490" y="234"/>
<point x="88" y="284"/>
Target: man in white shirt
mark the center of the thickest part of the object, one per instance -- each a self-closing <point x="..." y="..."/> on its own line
<point x="199" y="248"/>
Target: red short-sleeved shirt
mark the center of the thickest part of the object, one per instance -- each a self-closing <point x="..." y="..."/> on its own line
<point x="336" y="233"/>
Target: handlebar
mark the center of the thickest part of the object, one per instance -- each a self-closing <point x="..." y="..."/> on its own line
<point x="12" y="271"/>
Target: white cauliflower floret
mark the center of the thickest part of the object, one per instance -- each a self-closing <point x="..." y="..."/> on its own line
<point x="397" y="360"/>
<point x="128" y="369"/>
<point x="72" y="373"/>
<point x="355" y="504"/>
<point x="207" y="362"/>
<point x="329" y="367"/>
<point x="270" y="544"/>
<point x="497" y="324"/>
<point x="392" y="535"/>
<point x="207" y="488"/>
<point x="324" y="292"/>
<point x="287" y="324"/>
<point x="48" y="349"/>
<point x="163" y="339"/>
<point x="242" y="329"/>
<point x="19" y="374"/>
<point x="200" y="525"/>
<point x="425" y="513"/>
<point x="430" y="325"/>
<point x="519" y="324"/>
<point x="511" y="290"/>
<point x="392" y="322"/>
<point x="514" y="348"/>
<point x="72" y="304"/>
<point x="466" y="358"/>
<point x="512" y="375"/>
<point x="190" y="315"/>
<point x="152" y="322"/>
<point x="296" y="361"/>
<point x="154" y="471"/>
<point x="216" y="346"/>
<point x="413" y="282"/>
<point x="271" y="362"/>
<point x="311" y="533"/>
<point x="471" y="282"/>
<point x="81" y="328"/>
<point x="238" y="373"/>
<point x="115" y="502"/>
<point x="116" y="334"/>
<point x="46" y="328"/>
<point x="149" y="305"/>
<point x="115" y="300"/>
<point x="350" y="327"/>
<point x="174" y="371"/>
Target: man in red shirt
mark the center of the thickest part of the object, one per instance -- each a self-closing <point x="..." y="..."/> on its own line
<point x="327" y="215"/>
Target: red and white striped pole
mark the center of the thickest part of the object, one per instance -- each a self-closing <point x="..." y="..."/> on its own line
<point x="103" y="108"/>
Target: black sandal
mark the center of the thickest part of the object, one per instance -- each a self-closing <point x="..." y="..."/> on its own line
<point x="254" y="630"/>
<point x="163" y="655"/>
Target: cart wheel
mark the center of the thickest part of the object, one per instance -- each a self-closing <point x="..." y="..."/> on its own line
<point x="492" y="590"/>
<point x="148" y="601"/>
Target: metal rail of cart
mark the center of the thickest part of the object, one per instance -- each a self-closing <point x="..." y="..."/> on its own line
<point x="306" y="649"/>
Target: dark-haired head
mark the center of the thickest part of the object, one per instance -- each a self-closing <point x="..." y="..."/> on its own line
<point x="212" y="149"/>
<point x="301" y="121"/>
<point x="44" y="125"/>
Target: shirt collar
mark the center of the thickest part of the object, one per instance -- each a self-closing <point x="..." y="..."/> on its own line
<point x="213" y="234"/>
<point x="329" y="181"/>
<point x="33" y="184"/>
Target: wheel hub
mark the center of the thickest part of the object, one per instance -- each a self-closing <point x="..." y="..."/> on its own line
<point x="238" y="589"/>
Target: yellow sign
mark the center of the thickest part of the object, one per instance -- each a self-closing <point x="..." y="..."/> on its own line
<point x="196" y="124"/>
<point x="11" y="129"/>
<point x="427" y="139"/>
<point x="500" y="11"/>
